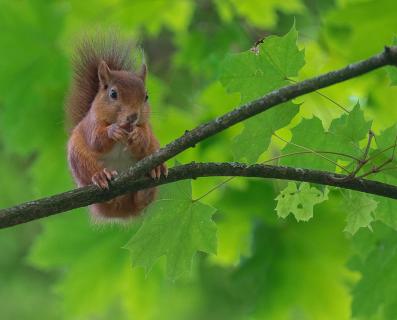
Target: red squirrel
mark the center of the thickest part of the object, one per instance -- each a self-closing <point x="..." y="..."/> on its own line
<point x="109" y="113"/>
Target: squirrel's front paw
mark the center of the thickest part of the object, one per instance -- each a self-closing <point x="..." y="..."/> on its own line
<point x="138" y="137"/>
<point x="158" y="171"/>
<point x="102" y="178"/>
<point x="116" y="133"/>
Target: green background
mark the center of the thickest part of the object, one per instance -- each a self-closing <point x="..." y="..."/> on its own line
<point x="65" y="267"/>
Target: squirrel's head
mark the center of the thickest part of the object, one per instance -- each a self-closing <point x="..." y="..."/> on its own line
<point x="122" y="96"/>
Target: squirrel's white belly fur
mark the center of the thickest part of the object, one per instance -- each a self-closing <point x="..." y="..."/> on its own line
<point x="119" y="158"/>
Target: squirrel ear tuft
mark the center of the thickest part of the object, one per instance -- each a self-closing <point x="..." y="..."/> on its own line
<point x="143" y="72"/>
<point x="103" y="73"/>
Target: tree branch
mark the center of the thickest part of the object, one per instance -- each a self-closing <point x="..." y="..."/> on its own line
<point x="134" y="181"/>
<point x="273" y="98"/>
<point x="85" y="196"/>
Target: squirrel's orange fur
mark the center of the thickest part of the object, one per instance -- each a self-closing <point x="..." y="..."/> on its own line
<point x="109" y="112"/>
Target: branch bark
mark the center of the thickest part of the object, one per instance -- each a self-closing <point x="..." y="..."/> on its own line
<point x="85" y="196"/>
<point x="134" y="179"/>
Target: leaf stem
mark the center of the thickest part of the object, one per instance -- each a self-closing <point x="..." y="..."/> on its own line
<point x="324" y="96"/>
<point x="312" y="151"/>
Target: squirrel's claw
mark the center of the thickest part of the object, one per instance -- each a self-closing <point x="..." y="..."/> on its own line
<point x="110" y="174"/>
<point x="164" y="169"/>
<point x="153" y="173"/>
<point x="102" y="178"/>
<point x="156" y="172"/>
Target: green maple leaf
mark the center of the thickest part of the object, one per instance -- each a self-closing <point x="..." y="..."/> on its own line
<point x="310" y="134"/>
<point x="253" y="74"/>
<point x="387" y="138"/>
<point x="299" y="201"/>
<point x="360" y="208"/>
<point x="348" y="130"/>
<point x="344" y="135"/>
<point x="283" y="53"/>
<point x="249" y="74"/>
<point x="175" y="226"/>
<point x="258" y="130"/>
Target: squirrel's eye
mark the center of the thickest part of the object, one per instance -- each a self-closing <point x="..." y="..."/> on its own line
<point x="147" y="97"/>
<point x="113" y="94"/>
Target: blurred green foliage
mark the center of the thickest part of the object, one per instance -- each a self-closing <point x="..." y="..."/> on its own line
<point x="64" y="267"/>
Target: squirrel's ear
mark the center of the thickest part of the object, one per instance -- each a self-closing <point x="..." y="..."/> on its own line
<point x="143" y="72"/>
<point x="103" y="73"/>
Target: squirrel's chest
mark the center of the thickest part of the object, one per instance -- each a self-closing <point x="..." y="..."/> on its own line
<point x="118" y="158"/>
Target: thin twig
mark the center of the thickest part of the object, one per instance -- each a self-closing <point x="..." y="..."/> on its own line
<point x="379" y="168"/>
<point x="364" y="159"/>
<point x="217" y="186"/>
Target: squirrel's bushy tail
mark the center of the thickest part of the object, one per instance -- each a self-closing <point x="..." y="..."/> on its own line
<point x="85" y="84"/>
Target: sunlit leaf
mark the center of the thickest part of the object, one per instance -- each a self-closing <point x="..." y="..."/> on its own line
<point x="299" y="200"/>
<point x="360" y="211"/>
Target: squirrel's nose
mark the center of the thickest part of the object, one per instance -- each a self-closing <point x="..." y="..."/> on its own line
<point x="132" y="118"/>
